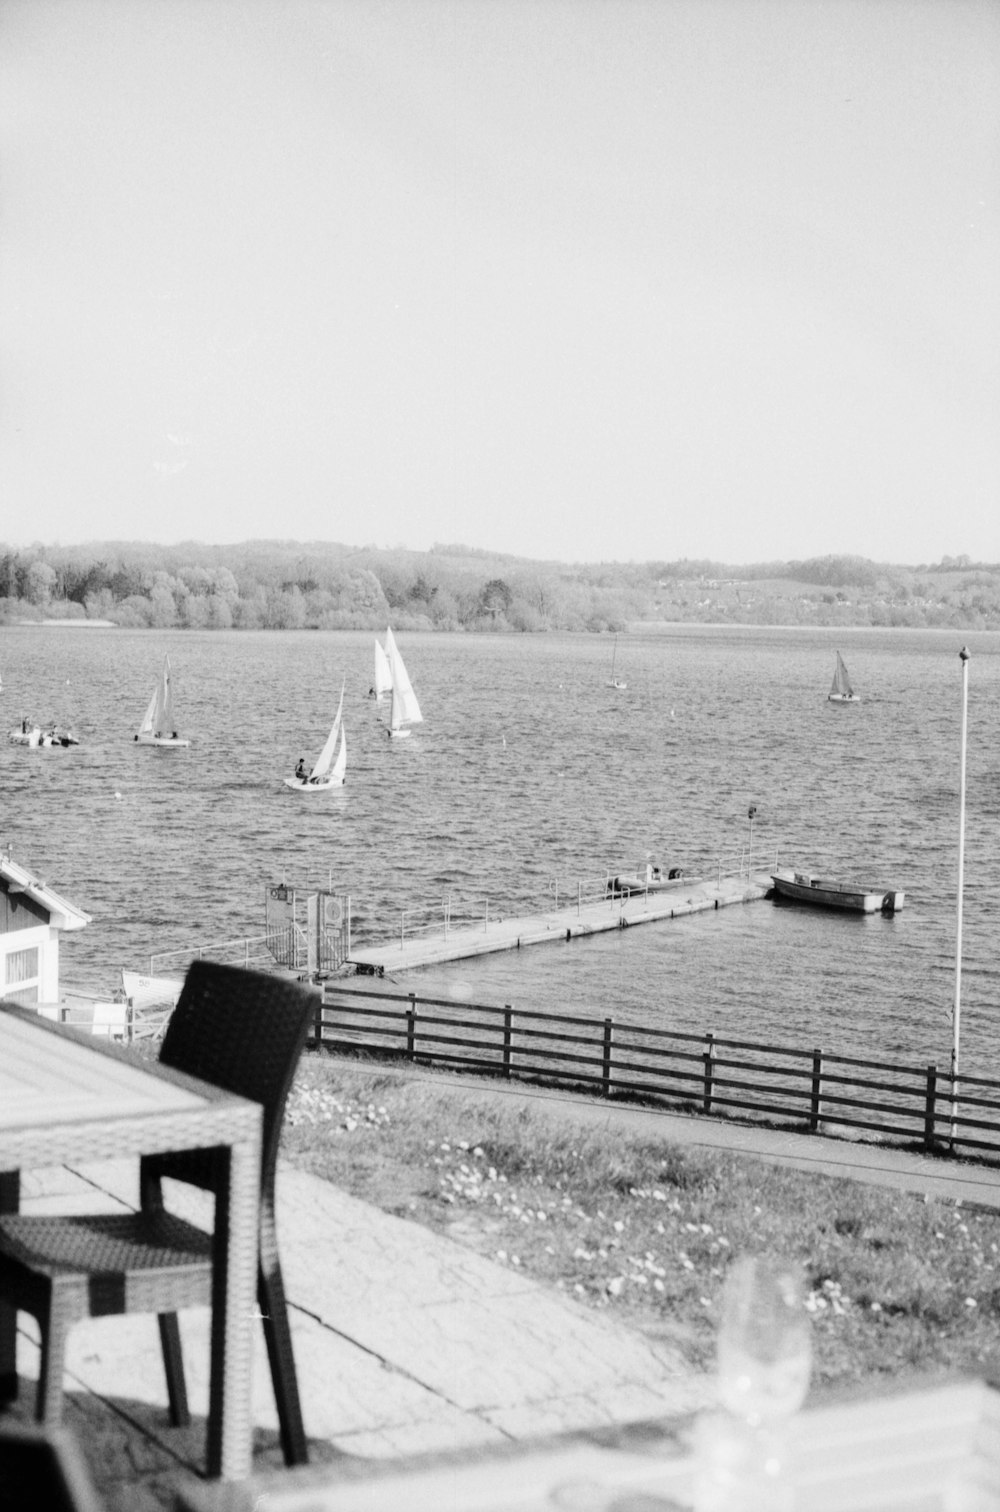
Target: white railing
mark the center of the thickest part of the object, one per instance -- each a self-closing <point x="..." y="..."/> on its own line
<point x="239" y="952"/>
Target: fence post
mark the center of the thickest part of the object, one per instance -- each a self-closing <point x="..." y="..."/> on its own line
<point x="506" y="1039"/>
<point x="606" y="1071"/>
<point x="817" y="1091"/>
<point x="929" y="1109"/>
<point x="318" y="1021"/>
<point x="411" y="1026"/>
<point x="709" y="1058"/>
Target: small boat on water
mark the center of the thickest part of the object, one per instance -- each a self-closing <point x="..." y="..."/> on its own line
<point x="841" y="690"/>
<point x="157" y="728"/>
<point x="404" y="710"/>
<point x="615" y="681"/>
<point x="802" y="888"/>
<point x="654" y="880"/>
<point x="33" y="735"/>
<point x="331" y="766"/>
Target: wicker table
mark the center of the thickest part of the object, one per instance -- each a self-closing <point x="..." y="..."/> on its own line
<point x="66" y="1097"/>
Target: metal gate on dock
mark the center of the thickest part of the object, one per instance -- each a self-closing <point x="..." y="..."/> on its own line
<point x="307" y="931"/>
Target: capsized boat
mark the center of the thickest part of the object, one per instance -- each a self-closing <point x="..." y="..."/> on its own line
<point x="33" y="735"/>
<point x="157" y="728"/>
<point x="803" y="888"/>
<point x="404" y="710"/>
<point x="331" y="766"/>
<point x="654" y="880"/>
<point x="841" y="690"/>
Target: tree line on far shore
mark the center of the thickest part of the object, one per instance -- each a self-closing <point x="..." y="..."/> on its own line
<point x="283" y="585"/>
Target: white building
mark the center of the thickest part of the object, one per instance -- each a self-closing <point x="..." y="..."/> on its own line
<point x="32" y="917"/>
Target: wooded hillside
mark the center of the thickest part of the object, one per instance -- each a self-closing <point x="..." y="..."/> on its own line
<point x="278" y="585"/>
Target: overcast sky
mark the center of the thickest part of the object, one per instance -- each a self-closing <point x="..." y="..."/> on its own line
<point x="576" y="279"/>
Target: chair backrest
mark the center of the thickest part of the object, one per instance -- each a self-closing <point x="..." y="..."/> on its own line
<point x="110" y="1019"/>
<point x="43" y="1468"/>
<point x="243" y="1031"/>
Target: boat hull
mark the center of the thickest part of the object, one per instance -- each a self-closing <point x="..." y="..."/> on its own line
<point x="803" y="889"/>
<point x="165" y="742"/>
<point x="843" y="698"/>
<point x="35" y="738"/>
<point x="303" y="785"/>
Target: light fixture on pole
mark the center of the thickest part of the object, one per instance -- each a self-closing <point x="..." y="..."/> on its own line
<point x="751" y="811"/>
<point x="956" y="1013"/>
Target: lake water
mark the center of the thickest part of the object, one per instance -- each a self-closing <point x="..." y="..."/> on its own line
<point x="528" y="776"/>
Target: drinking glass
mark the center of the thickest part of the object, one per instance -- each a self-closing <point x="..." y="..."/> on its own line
<point x="764" y="1348"/>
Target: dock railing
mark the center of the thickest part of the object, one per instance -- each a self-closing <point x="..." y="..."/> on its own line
<point x="459" y="910"/>
<point x="813" y="1090"/>
<point x="249" y="951"/>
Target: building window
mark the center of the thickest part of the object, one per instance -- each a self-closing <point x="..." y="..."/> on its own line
<point x="20" y="976"/>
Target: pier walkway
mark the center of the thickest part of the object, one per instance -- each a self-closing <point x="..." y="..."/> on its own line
<point x="688" y="896"/>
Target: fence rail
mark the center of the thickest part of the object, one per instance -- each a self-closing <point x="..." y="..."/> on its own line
<point x="703" y="1073"/>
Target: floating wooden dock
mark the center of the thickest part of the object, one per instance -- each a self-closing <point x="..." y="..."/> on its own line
<point x="690" y="896"/>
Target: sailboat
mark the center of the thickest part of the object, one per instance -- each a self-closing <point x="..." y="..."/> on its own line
<point x="331" y="767"/>
<point x="613" y="681"/>
<point x="383" y="674"/>
<point x="157" y="728"/>
<point x="841" y="690"/>
<point x="405" y="710"/>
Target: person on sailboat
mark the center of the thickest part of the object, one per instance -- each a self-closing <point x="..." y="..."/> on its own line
<point x="300" y="771"/>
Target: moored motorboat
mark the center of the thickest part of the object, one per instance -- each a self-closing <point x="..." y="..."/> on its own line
<point x="653" y="880"/>
<point x="803" y="888"/>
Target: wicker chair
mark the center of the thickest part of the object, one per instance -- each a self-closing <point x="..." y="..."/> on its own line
<point x="243" y="1031"/>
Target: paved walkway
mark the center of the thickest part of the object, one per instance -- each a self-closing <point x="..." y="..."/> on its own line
<point x="405" y="1340"/>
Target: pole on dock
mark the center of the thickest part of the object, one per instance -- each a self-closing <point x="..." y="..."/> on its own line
<point x="956" y="1015"/>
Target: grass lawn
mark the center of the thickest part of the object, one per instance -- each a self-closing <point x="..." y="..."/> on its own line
<point x="634" y="1226"/>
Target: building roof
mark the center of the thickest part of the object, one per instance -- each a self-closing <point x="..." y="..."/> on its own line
<point x="18" y="879"/>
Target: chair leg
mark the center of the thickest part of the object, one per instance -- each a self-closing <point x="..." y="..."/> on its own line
<point x="278" y="1335"/>
<point x="8" y="1353"/>
<point x="53" y="1327"/>
<point x="173" y="1365"/>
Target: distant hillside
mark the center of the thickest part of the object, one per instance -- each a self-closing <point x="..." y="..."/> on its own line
<point x="279" y="585"/>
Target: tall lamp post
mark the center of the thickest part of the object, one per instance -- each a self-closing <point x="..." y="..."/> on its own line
<point x="956" y="1014"/>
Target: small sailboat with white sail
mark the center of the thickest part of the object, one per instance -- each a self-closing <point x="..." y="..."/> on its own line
<point x="405" y="710"/>
<point x="841" y="690"/>
<point x="383" y="673"/>
<point x="157" y="728"/>
<point x="330" y="770"/>
<point x="614" y="681"/>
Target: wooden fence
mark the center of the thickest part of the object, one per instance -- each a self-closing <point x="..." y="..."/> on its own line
<point x="809" y="1089"/>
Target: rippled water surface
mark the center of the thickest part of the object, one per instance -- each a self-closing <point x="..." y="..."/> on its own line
<point x="528" y="776"/>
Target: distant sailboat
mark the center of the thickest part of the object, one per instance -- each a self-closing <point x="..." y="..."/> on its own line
<point x="405" y="710"/>
<point x="383" y="674"/>
<point x="157" y="728"/>
<point x="613" y="681"/>
<point x="331" y="767"/>
<point x="841" y="690"/>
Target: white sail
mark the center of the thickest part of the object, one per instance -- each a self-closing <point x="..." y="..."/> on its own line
<point x="331" y="764"/>
<point x="157" y="727"/>
<point x="841" y="690"/>
<point x="405" y="708"/>
<point x="324" y="762"/>
<point x="383" y="676"/>
<point x="146" y="727"/>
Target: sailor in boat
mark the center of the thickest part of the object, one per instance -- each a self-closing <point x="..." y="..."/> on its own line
<point x="300" y="770"/>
